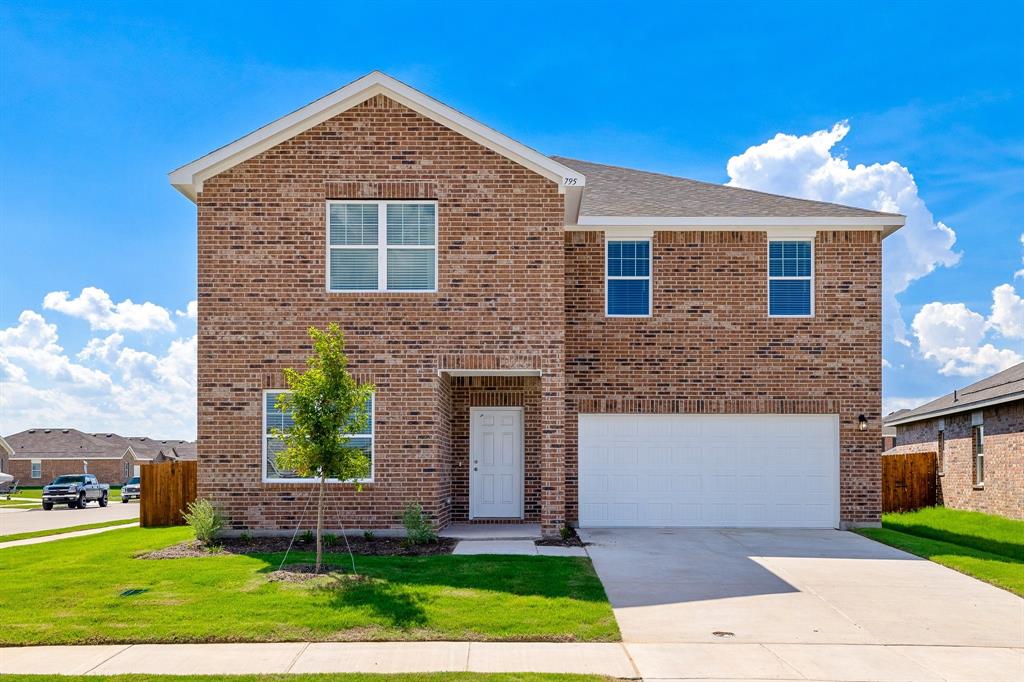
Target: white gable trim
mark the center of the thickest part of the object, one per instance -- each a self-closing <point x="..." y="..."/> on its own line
<point x="189" y="178"/>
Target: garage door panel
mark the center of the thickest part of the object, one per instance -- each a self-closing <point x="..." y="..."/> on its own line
<point x="740" y="470"/>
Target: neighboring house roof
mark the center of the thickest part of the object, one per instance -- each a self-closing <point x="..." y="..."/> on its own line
<point x="75" y="444"/>
<point x="189" y="178"/>
<point x="1006" y="386"/>
<point x="64" y="444"/>
<point x="5" y="447"/>
<point x="615" y="191"/>
<point x="596" y="194"/>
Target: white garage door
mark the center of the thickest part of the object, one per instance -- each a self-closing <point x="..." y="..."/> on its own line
<point x="769" y="471"/>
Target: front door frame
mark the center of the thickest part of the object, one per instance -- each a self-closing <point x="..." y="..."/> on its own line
<point x="474" y="413"/>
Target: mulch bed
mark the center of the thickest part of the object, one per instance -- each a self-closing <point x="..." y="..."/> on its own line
<point x="382" y="546"/>
<point x="571" y="540"/>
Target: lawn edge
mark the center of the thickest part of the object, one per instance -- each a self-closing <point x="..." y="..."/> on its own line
<point x="69" y="529"/>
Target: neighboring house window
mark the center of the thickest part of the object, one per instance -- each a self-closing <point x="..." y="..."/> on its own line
<point x="381" y="246"/>
<point x="978" y="436"/>
<point x="790" y="278"/>
<point x="37" y="469"/>
<point x="275" y="418"/>
<point x="125" y="470"/>
<point x="941" y="447"/>
<point x="628" y="281"/>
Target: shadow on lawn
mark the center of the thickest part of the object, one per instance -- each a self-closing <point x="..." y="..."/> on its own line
<point x="1010" y="550"/>
<point x="387" y="592"/>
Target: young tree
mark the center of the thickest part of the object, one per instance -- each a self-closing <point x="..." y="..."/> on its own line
<point x="327" y="406"/>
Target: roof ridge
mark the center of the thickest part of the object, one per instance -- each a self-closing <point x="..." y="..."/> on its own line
<point x="818" y="202"/>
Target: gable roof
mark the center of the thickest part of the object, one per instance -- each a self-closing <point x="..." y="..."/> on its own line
<point x="1003" y="387"/>
<point x="617" y="192"/>
<point x="189" y="178"/>
<point x="64" y="444"/>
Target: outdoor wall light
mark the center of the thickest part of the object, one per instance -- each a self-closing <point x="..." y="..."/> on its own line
<point x="863" y="422"/>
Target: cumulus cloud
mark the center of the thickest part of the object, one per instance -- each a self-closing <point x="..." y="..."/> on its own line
<point x="190" y="310"/>
<point x="108" y="386"/>
<point x="99" y="310"/>
<point x="1007" y="316"/>
<point x="806" y="166"/>
<point x="953" y="335"/>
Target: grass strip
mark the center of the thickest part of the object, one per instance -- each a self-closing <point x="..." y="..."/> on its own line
<point x="69" y="529"/>
<point x="985" y="532"/>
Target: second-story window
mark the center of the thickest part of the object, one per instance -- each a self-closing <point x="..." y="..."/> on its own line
<point x="790" y="278"/>
<point x="382" y="246"/>
<point x="628" y="278"/>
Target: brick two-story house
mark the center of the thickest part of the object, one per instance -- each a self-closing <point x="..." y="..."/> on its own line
<point x="552" y="341"/>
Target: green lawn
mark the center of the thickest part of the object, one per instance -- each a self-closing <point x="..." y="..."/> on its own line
<point x="987" y="547"/>
<point x="68" y="592"/>
<point x="69" y="529"/>
<point x="350" y="677"/>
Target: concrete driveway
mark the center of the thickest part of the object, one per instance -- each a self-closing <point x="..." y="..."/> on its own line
<point x="820" y="605"/>
<point x="26" y="520"/>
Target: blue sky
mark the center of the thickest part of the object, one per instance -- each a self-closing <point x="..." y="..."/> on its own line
<point x="99" y="100"/>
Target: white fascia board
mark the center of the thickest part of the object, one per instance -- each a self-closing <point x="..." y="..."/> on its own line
<point x="865" y="223"/>
<point x="5" y="447"/>
<point x="490" y="372"/>
<point x="189" y="178"/>
<point x="969" y="407"/>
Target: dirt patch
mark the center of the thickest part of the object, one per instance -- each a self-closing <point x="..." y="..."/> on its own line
<point x="569" y="539"/>
<point x="304" y="573"/>
<point x="385" y="546"/>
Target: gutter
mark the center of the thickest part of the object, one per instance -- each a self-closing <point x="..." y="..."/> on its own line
<point x="967" y="407"/>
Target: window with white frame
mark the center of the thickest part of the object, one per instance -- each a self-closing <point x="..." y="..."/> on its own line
<point x="978" y="438"/>
<point x="382" y="246"/>
<point x="628" y="278"/>
<point x="790" y="278"/>
<point x="279" y="419"/>
<point x="37" y="469"/>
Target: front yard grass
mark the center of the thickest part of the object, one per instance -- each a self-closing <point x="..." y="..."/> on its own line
<point x="60" y="531"/>
<point x="984" y="546"/>
<point x="68" y="592"/>
<point x="342" y="677"/>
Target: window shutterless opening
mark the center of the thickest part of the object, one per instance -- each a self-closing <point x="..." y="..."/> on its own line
<point x="791" y="278"/>
<point x="627" y="289"/>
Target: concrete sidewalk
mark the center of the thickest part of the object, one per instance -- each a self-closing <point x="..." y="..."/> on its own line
<point x="656" y="661"/>
<point x="64" y="536"/>
<point x="320" y="657"/>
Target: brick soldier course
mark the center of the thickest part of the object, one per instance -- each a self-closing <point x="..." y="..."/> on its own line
<point x="516" y="290"/>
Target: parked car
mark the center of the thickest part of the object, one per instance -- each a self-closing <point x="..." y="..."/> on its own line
<point x="132" y="490"/>
<point x="76" y="490"/>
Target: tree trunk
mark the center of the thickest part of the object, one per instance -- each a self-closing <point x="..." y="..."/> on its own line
<point x="320" y="524"/>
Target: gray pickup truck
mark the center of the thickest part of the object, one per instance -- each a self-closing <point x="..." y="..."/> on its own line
<point x="75" y="490"/>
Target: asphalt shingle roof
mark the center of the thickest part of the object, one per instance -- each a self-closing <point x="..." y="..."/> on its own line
<point x="72" y="443"/>
<point x="1007" y="383"/>
<point x="615" y="191"/>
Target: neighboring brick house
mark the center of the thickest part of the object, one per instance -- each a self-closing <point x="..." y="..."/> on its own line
<point x="551" y="340"/>
<point x="5" y="456"/>
<point x="977" y="434"/>
<point x="40" y="455"/>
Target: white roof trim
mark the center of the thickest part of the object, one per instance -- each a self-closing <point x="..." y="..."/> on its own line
<point x="966" y="407"/>
<point x="490" y="372"/>
<point x="189" y="178"/>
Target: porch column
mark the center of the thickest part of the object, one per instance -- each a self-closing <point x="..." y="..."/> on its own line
<point x="552" y="454"/>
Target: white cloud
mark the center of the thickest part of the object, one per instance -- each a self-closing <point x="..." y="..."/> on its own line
<point x="805" y="166"/>
<point x="1020" y="273"/>
<point x="96" y="307"/>
<point x="190" y="310"/>
<point x="111" y="387"/>
<point x="886" y="364"/>
<point x="1007" y="316"/>
<point x="953" y="335"/>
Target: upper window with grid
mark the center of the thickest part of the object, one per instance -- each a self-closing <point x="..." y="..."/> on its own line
<point x="382" y="246"/>
<point x="790" y="278"/>
<point x="628" y="280"/>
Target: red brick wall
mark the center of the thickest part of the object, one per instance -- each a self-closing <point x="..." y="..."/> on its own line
<point x="262" y="283"/>
<point x="469" y="392"/>
<point x="1003" y="491"/>
<point x="711" y="347"/>
<point x="106" y="470"/>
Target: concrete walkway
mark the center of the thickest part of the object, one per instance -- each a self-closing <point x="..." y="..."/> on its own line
<point x="319" y="657"/>
<point x="64" y="536"/>
<point x="28" y="520"/>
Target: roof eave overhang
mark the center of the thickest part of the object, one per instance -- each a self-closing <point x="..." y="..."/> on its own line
<point x="886" y="224"/>
<point x="189" y="178"/>
<point x="969" y="407"/>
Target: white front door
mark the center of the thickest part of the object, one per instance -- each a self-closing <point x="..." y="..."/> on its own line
<point x="496" y="463"/>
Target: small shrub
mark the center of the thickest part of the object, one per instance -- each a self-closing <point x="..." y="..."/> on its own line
<point x="330" y="539"/>
<point x="307" y="537"/>
<point x="369" y="536"/>
<point x="566" y="532"/>
<point x="418" y="530"/>
<point x="204" y="519"/>
<point x="245" y="536"/>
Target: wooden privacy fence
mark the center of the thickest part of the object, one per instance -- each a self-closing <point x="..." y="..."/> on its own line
<point x="908" y="481"/>
<point x="167" y="490"/>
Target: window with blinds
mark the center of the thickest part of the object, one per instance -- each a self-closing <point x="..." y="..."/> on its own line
<point x="790" y="278"/>
<point x="628" y="278"/>
<point x="276" y="418"/>
<point x="382" y="246"/>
